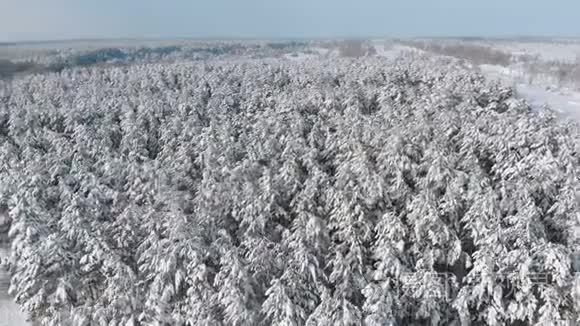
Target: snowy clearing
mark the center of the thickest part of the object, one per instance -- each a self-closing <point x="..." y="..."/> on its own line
<point x="546" y="51"/>
<point x="551" y="80"/>
<point x="563" y="101"/>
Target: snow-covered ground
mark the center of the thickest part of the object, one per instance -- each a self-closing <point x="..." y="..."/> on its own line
<point x="300" y="56"/>
<point x="393" y="51"/>
<point x="562" y="101"/>
<point x="539" y="88"/>
<point x="383" y="48"/>
<point x="10" y="313"/>
<point x="566" y="104"/>
<point x="546" y="51"/>
<point x="539" y="91"/>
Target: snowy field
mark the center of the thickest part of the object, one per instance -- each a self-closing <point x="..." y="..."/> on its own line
<point x="563" y="101"/>
<point x="286" y="183"/>
<point x="535" y="80"/>
<point x="564" y="51"/>
<point x="539" y="92"/>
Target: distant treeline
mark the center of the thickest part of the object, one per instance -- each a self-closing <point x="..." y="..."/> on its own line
<point x="59" y="62"/>
<point x="475" y="53"/>
<point x="108" y="55"/>
<point x="9" y="68"/>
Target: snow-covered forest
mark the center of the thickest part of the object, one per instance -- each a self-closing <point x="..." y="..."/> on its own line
<point x="261" y="191"/>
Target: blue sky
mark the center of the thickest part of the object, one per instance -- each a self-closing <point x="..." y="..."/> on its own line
<point x="66" y="19"/>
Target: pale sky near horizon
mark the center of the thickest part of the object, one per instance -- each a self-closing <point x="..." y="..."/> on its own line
<point x="71" y="19"/>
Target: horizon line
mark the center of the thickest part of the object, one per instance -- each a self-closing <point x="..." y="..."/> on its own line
<point x="283" y="38"/>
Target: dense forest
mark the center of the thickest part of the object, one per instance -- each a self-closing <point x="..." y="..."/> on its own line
<point x="269" y="192"/>
<point x="51" y="60"/>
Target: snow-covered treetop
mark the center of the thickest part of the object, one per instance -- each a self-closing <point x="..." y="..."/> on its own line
<point x="320" y="192"/>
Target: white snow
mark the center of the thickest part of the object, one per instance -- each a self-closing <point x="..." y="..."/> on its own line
<point x="546" y="51"/>
<point x="10" y="313"/>
<point x="562" y="101"/>
<point x="300" y="56"/>
<point x="393" y="51"/>
<point x="566" y="104"/>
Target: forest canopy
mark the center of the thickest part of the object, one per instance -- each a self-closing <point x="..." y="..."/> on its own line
<point x="261" y="192"/>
